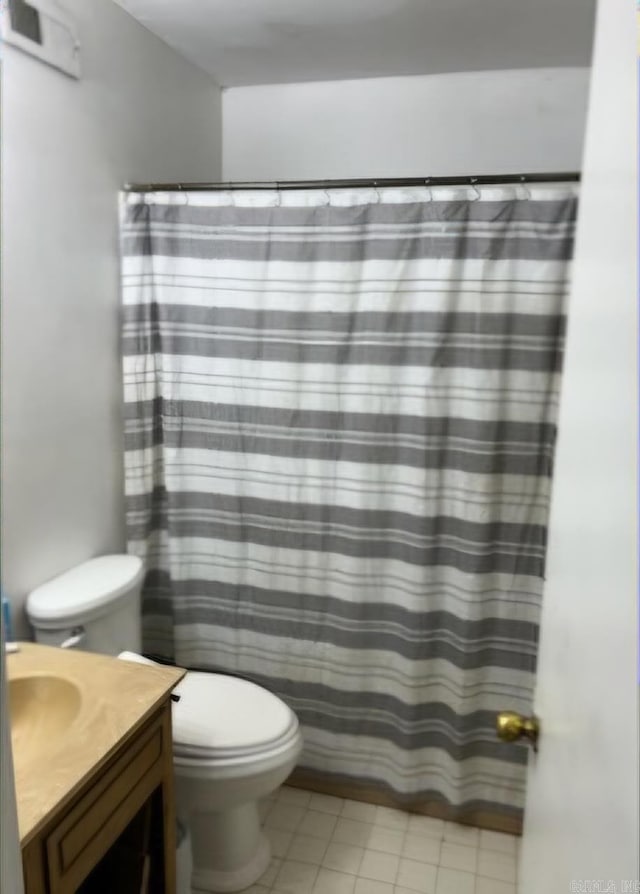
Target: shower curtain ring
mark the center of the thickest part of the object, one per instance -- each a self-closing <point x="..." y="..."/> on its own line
<point x="525" y="187"/>
<point x="473" y="183"/>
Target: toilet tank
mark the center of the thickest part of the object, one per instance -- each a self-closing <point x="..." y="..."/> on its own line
<point x="94" y="606"/>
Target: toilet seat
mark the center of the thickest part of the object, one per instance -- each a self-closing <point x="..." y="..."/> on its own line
<point x="225" y="719"/>
<point x="258" y="729"/>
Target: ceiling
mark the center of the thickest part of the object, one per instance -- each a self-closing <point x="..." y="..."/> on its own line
<point x="242" y="42"/>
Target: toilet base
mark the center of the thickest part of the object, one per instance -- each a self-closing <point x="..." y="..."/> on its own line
<point x="218" y="799"/>
<point x="230" y="850"/>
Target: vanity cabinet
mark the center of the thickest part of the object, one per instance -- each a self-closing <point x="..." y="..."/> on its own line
<point x="122" y="820"/>
<point x="135" y="785"/>
<point x="93" y="767"/>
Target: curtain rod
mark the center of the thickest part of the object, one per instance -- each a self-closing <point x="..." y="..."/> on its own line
<point x="479" y="180"/>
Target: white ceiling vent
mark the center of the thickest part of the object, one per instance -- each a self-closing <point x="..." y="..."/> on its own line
<point x="44" y="30"/>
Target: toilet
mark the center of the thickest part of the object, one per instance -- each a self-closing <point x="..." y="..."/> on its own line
<point x="233" y="741"/>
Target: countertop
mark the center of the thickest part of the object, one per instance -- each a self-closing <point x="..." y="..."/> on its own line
<point x="117" y="697"/>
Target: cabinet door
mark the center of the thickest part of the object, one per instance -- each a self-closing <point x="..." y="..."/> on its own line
<point x="96" y="820"/>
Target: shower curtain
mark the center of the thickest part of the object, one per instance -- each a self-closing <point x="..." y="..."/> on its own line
<point x="340" y="420"/>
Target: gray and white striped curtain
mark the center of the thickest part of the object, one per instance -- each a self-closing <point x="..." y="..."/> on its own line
<point x="340" y="422"/>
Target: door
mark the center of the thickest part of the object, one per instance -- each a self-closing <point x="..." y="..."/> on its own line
<point x="581" y="820"/>
<point x="10" y="860"/>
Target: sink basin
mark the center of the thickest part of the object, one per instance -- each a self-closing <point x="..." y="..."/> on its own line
<point x="41" y="708"/>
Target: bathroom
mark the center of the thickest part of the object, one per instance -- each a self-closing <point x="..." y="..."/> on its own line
<point x="503" y="89"/>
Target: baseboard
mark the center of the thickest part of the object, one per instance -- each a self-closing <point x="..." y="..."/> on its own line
<point x="483" y="819"/>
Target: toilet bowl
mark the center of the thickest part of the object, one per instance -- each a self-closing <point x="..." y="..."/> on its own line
<point x="233" y="741"/>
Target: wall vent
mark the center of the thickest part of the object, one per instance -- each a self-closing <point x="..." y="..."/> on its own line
<point x="43" y="29"/>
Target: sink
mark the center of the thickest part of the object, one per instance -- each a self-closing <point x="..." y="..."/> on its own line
<point x="41" y="708"/>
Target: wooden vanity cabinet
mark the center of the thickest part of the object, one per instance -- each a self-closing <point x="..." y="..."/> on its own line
<point x="120" y="822"/>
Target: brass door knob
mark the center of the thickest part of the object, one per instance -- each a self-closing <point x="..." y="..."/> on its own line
<point x="511" y="726"/>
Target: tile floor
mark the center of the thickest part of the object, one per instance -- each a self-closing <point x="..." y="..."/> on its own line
<point x="327" y="845"/>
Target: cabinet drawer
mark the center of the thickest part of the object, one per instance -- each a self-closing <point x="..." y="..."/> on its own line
<point x="102" y="813"/>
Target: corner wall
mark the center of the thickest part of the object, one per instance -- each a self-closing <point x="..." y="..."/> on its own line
<point x="470" y="123"/>
<point x="139" y="112"/>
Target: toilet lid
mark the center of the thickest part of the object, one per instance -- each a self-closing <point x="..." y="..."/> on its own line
<point x="227" y="715"/>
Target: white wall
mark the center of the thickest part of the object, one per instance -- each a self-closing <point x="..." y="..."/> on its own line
<point x="483" y="122"/>
<point x="140" y="112"/>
